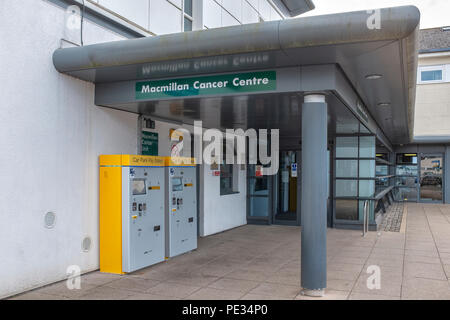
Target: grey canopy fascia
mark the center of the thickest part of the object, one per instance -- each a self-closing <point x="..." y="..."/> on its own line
<point x="344" y="39"/>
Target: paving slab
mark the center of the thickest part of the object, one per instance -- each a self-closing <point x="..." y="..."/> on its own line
<point x="263" y="262"/>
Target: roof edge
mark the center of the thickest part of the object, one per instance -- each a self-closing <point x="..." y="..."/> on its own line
<point x="396" y="23"/>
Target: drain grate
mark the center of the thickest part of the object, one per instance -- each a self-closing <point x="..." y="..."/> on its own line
<point x="392" y="220"/>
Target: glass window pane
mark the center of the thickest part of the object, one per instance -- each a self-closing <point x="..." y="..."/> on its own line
<point x="259" y="207"/>
<point x="407" y="158"/>
<point x="407" y="171"/>
<point x="367" y="147"/>
<point x="371" y="210"/>
<point x="367" y="169"/>
<point x="406" y="194"/>
<point x="366" y="188"/>
<point x="381" y="184"/>
<point x="431" y="75"/>
<point x="382" y="170"/>
<point x="187" y="24"/>
<point x="347" y="210"/>
<point x="406" y="182"/>
<point x="188" y="7"/>
<point x="347" y="147"/>
<point x="347" y="168"/>
<point x="226" y="179"/>
<point x="258" y="186"/>
<point x="431" y="178"/>
<point x="346" y="188"/>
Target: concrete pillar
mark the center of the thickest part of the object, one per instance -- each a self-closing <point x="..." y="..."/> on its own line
<point x="314" y="195"/>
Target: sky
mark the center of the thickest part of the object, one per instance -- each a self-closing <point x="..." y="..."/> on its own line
<point x="434" y="13"/>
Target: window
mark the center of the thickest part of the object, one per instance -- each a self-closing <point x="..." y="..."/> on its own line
<point x="187" y="24"/>
<point x="406" y="177"/>
<point x="431" y="74"/>
<point x="226" y="179"/>
<point x="187" y="15"/>
<point x="229" y="173"/>
<point x="188" y="7"/>
<point x="407" y="158"/>
<point x="355" y="177"/>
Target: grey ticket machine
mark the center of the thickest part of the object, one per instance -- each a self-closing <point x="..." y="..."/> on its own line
<point x="181" y="200"/>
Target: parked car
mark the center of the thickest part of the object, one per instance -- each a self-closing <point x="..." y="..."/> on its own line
<point x="431" y="179"/>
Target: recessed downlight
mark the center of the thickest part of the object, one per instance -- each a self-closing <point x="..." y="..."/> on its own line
<point x="374" y="76"/>
<point x="384" y="104"/>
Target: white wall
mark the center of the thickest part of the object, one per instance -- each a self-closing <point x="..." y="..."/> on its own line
<point x="217" y="213"/>
<point x="157" y="16"/>
<point x="163" y="130"/>
<point x="220" y="213"/>
<point x="432" y="110"/>
<point x="50" y="137"/>
<point x="166" y="16"/>
<point x="224" y="13"/>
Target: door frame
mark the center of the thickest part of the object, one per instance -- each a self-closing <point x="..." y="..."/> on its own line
<point x="419" y="185"/>
<point x="296" y="222"/>
<point x="261" y="220"/>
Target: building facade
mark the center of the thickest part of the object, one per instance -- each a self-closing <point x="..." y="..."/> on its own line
<point x="433" y="90"/>
<point x="54" y="131"/>
<point x="432" y="123"/>
<point x="55" y="125"/>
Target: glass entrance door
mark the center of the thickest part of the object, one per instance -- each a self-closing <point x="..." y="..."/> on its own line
<point x="259" y="196"/>
<point x="287" y="189"/>
<point x="431" y="178"/>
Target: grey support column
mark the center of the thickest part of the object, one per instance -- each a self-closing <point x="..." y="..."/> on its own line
<point x="314" y="195"/>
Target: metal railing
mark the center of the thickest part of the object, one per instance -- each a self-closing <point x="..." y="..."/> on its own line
<point x="366" y="218"/>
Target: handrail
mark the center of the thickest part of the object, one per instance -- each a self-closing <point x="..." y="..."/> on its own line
<point x="366" y="218"/>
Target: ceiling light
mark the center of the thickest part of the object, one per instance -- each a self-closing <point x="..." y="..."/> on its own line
<point x="384" y="104"/>
<point x="374" y="76"/>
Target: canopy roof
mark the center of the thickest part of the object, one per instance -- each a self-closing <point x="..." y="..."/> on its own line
<point x="347" y="40"/>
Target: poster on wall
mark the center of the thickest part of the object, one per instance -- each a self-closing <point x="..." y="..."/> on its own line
<point x="150" y="143"/>
<point x="294" y="170"/>
<point x="176" y="143"/>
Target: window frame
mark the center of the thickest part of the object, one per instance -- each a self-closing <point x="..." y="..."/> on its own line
<point x="422" y="69"/>
<point x="233" y="171"/>
<point x="187" y="16"/>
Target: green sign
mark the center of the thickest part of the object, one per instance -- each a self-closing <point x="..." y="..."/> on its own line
<point x="208" y="85"/>
<point x="149" y="143"/>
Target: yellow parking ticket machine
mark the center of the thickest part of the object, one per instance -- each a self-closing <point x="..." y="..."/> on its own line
<point x="132" y="205"/>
